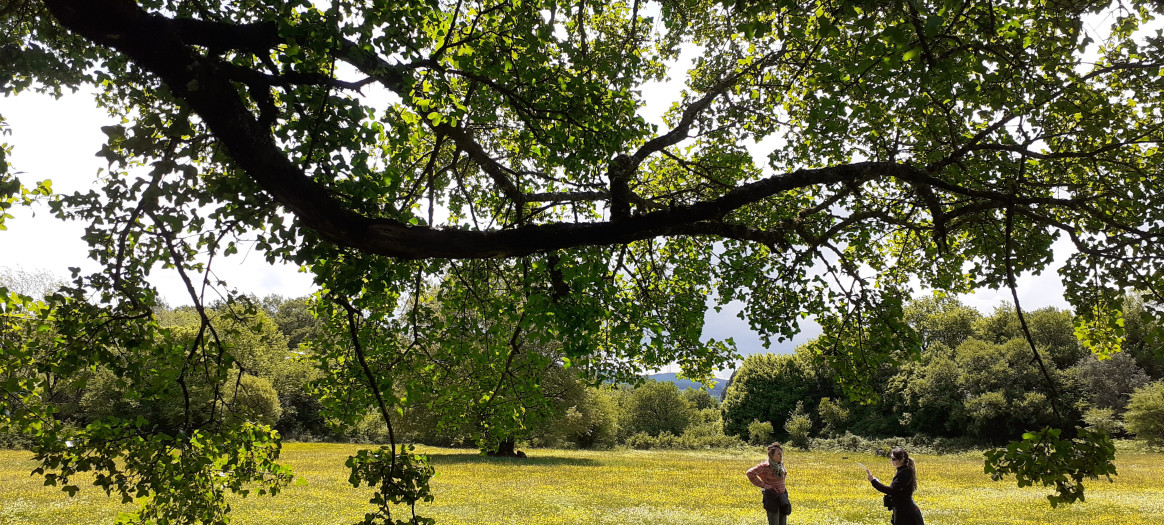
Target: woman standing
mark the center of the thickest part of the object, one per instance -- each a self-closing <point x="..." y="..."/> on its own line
<point x="899" y="493"/>
<point x="770" y="476"/>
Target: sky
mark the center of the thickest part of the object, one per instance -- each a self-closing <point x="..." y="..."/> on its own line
<point x="57" y="140"/>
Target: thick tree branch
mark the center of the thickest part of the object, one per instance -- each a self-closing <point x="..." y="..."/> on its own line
<point x="258" y="38"/>
<point x="496" y="171"/>
<point x="206" y="85"/>
<point x="251" y="77"/>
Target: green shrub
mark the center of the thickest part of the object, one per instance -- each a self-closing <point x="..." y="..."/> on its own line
<point x="759" y="432"/>
<point x="1103" y="419"/>
<point x="1145" y="415"/>
<point x="798" y="426"/>
<point x="849" y="442"/>
<point x="369" y="429"/>
<point x="668" y="440"/>
<point x="707" y="435"/>
<point x="12" y="439"/>
<point x="645" y="441"/>
<point x="695" y="438"/>
<point x="832" y="415"/>
<point x="254" y="399"/>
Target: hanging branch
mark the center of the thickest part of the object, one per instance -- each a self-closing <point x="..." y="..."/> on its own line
<point x="354" y="331"/>
<point x="1010" y="281"/>
<point x="205" y="323"/>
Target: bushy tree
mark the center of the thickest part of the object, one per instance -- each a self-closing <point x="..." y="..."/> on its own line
<point x="295" y="318"/>
<point x="766" y="387"/>
<point x="931" y="398"/>
<point x="254" y="399"/>
<point x="832" y="417"/>
<point x="1006" y="394"/>
<point x="593" y="422"/>
<point x="759" y="432"/>
<point x="656" y="407"/>
<point x="943" y="320"/>
<point x="247" y="394"/>
<point x="699" y="399"/>
<point x="1145" y="415"/>
<point x="1052" y="331"/>
<point x="302" y="413"/>
<point x="798" y="427"/>
<point x="1144" y="339"/>
<point x="26" y="347"/>
<point x="1107" y="384"/>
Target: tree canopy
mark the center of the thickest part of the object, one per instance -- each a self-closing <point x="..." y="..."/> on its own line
<point x="825" y="158"/>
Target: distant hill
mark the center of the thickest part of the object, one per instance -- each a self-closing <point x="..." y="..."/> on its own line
<point x="684" y="384"/>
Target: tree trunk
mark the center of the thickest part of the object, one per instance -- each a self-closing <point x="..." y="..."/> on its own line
<point x="507" y="449"/>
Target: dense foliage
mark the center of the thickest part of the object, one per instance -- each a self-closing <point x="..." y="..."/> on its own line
<point x="1145" y="416"/>
<point x="972" y="384"/>
<point x="933" y="403"/>
<point x="985" y="387"/>
<point x="479" y="171"/>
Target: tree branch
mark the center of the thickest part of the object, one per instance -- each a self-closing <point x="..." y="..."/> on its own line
<point x="208" y="88"/>
<point x="258" y="38"/>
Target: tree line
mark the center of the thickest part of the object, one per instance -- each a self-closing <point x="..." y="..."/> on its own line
<point x="277" y="346"/>
<point x="973" y="379"/>
<point x="972" y="382"/>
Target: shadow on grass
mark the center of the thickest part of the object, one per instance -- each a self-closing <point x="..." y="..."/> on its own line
<point x="439" y="460"/>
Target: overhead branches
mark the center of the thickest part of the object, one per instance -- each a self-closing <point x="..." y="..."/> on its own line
<point x="163" y="46"/>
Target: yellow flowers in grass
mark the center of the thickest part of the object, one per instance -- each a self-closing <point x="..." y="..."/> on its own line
<point x="636" y="487"/>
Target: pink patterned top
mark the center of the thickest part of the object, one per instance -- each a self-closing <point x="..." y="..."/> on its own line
<point x="765" y="477"/>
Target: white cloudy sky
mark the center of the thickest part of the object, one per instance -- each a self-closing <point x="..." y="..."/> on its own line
<point x="57" y="140"/>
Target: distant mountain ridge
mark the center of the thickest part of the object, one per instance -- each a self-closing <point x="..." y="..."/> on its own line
<point x="684" y="384"/>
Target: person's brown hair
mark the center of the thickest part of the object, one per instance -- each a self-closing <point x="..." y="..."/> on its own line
<point x="778" y="468"/>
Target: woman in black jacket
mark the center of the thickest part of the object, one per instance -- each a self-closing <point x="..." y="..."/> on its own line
<point x="899" y="493"/>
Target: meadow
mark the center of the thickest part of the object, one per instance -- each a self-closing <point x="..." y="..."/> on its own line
<point x="635" y="487"/>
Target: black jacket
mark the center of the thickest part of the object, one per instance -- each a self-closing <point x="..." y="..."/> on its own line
<point x="900" y="496"/>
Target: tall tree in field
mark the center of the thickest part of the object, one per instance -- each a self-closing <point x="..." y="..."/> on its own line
<point x="897" y="143"/>
<point x="766" y="388"/>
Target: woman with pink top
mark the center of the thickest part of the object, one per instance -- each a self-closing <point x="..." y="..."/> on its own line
<point x="770" y="476"/>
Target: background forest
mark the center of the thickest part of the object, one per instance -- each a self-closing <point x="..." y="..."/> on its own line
<point x="971" y="383"/>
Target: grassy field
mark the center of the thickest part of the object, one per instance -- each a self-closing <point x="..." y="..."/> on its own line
<point x="636" y="487"/>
